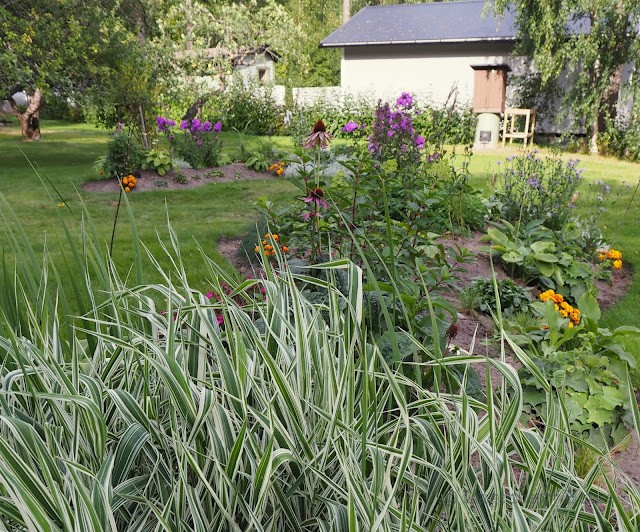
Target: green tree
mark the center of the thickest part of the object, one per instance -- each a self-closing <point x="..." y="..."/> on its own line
<point x="579" y="46"/>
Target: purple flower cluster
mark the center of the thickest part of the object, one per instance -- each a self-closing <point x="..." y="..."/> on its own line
<point x="164" y="124"/>
<point x="349" y="127"/>
<point x="392" y="134"/>
<point x="405" y="101"/>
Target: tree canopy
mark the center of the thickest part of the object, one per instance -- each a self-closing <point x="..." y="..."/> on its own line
<point x="586" y="42"/>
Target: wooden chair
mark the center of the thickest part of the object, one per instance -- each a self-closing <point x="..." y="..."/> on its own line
<point x="529" y="125"/>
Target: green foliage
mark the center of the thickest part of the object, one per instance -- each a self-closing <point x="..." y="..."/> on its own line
<point x="181" y="178"/>
<point x="551" y="259"/>
<point x="588" y="366"/>
<point x="159" y="385"/>
<point x="262" y="156"/>
<point x="513" y="298"/>
<point x="158" y="159"/>
<point x="124" y="155"/>
<point x="551" y="35"/>
<point x="161" y="183"/>
<point x="248" y="108"/>
<point x="530" y="188"/>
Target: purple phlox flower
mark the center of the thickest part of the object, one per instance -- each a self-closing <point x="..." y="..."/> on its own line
<point x="195" y="137"/>
<point x="349" y="127"/>
<point x="199" y="143"/>
<point x="405" y="100"/>
<point x="418" y="112"/>
<point x="184" y="124"/>
<point x="420" y="142"/>
<point x="160" y="121"/>
<point x="206" y="126"/>
<point x="216" y="137"/>
<point x="390" y="133"/>
<point x="217" y="126"/>
<point x="171" y="123"/>
<point x="363" y="126"/>
<point x="316" y="196"/>
<point x="195" y="123"/>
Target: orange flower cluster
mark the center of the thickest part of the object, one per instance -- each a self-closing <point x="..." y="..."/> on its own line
<point x="277" y="167"/>
<point x="270" y="240"/>
<point x="565" y="310"/>
<point x="613" y="255"/>
<point x="129" y="182"/>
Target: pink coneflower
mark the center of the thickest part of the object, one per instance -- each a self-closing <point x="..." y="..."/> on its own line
<point x="318" y="137"/>
<point x="306" y="215"/>
<point x="316" y="196"/>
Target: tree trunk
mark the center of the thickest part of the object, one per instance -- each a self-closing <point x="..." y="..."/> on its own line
<point x="346" y="10"/>
<point x="593" y="143"/>
<point x="30" y="119"/>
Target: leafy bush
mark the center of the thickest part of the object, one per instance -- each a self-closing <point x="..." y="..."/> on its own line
<point x="530" y="189"/>
<point x="198" y="144"/>
<point x="248" y="108"/>
<point x="124" y="155"/>
<point x="159" y="160"/>
<point x="586" y="364"/>
<point x="551" y="259"/>
<point x="513" y="298"/>
<point x="262" y="156"/>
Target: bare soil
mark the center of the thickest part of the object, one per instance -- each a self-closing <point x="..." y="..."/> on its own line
<point x="195" y="178"/>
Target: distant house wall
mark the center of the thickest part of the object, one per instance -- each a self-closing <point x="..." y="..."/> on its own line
<point x="428" y="70"/>
<point x="251" y="73"/>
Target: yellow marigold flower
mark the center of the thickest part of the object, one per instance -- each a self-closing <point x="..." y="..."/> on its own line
<point x="268" y="246"/>
<point x="555" y="305"/>
<point x="557" y="298"/>
<point x="564" y="313"/>
<point x="276" y="237"/>
<point x="617" y="264"/>
<point x="570" y="324"/>
<point x="268" y="235"/>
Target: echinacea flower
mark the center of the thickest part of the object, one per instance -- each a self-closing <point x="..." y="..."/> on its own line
<point x="306" y="215"/>
<point x="316" y="195"/>
<point x="318" y="137"/>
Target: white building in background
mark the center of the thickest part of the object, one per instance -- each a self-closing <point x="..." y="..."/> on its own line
<point x="429" y="49"/>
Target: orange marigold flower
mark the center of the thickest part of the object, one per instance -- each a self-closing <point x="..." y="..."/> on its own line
<point x="127" y="189"/>
<point x="256" y="249"/>
<point x="100" y="172"/>
<point x="276" y="237"/>
<point x="285" y="249"/>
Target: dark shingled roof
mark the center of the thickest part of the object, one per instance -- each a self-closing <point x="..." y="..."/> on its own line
<point x="422" y="23"/>
<point x="426" y="23"/>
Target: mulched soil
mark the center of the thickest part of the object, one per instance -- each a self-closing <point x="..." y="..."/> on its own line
<point x="196" y="178"/>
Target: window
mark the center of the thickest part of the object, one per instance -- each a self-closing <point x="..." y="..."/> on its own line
<point x="262" y="75"/>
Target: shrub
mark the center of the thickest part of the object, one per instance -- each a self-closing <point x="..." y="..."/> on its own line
<point x="530" y="188"/>
<point x="125" y="155"/>
<point x="248" y="108"/>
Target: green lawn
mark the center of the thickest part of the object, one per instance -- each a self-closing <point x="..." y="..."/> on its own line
<point x="67" y="151"/>
<point x="66" y="155"/>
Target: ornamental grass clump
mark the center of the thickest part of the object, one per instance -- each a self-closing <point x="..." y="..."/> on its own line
<point x="160" y="408"/>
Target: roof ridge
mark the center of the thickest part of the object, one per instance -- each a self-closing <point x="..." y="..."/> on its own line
<point x="424" y="3"/>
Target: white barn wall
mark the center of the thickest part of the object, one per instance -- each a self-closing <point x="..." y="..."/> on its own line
<point x="429" y="71"/>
